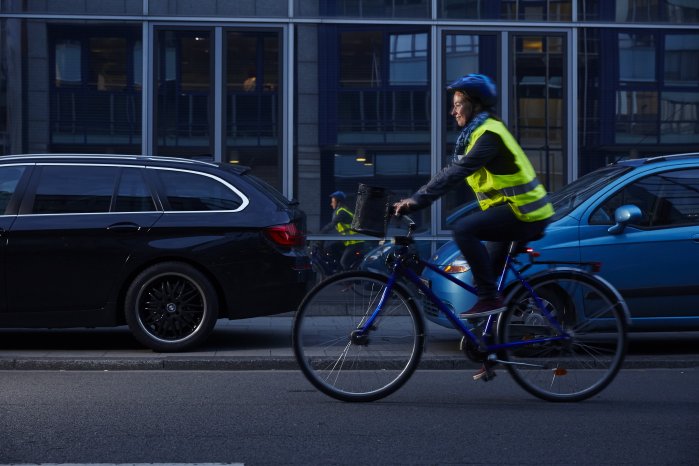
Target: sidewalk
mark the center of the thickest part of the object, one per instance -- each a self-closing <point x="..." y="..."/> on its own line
<point x="262" y="343"/>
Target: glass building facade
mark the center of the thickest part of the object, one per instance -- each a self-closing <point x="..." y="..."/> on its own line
<point x="321" y="95"/>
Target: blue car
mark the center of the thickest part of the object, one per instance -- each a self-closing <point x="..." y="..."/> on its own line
<point x="639" y="218"/>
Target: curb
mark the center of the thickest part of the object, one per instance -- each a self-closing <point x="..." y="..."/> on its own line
<point x="142" y="364"/>
<point x="266" y="364"/>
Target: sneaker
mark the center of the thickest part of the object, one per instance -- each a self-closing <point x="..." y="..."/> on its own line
<point x="485" y="307"/>
<point x="484" y="373"/>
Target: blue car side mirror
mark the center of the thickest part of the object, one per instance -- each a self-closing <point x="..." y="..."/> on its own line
<point x="623" y="216"/>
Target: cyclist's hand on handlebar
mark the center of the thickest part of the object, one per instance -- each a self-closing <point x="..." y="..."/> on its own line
<point x="403" y="206"/>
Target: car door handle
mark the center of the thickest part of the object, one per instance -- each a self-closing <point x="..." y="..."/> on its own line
<point x="124" y="227"/>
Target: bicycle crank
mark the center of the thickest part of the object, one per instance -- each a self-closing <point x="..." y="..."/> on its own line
<point x="472" y="351"/>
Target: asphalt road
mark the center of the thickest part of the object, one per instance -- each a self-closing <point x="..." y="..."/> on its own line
<point x="645" y="417"/>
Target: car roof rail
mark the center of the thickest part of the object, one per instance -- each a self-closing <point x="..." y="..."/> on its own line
<point x="662" y="158"/>
<point x="195" y="160"/>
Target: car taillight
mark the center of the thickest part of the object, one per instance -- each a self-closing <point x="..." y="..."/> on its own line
<point x="288" y="235"/>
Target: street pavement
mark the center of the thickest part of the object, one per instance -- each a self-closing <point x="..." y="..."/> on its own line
<point x="264" y="343"/>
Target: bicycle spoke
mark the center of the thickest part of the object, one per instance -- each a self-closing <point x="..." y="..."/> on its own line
<point x="590" y="319"/>
<point x="344" y="363"/>
<point x="587" y="359"/>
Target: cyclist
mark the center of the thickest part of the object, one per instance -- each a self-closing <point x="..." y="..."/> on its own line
<point x="514" y="204"/>
<point x="341" y="222"/>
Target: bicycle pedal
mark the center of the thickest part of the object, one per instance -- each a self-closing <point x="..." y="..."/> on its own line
<point x="486" y="375"/>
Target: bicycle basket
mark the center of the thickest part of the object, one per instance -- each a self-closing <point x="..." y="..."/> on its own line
<point x="372" y="211"/>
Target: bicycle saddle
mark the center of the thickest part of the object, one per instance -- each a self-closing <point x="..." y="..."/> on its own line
<point x="520" y="247"/>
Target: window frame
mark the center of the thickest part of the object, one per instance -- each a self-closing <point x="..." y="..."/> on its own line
<point x="162" y="192"/>
<point x="657" y="86"/>
<point x="330" y="71"/>
<point x="87" y="90"/>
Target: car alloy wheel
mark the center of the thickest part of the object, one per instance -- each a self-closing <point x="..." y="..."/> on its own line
<point x="171" y="307"/>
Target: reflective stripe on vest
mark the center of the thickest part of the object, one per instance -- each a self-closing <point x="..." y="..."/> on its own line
<point x="345" y="228"/>
<point x="512" y="191"/>
<point x="522" y="190"/>
<point x="524" y="208"/>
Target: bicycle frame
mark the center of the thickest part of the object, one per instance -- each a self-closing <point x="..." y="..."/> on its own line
<point x="484" y="342"/>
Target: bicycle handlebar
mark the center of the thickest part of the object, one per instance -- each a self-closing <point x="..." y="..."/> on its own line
<point x="412" y="226"/>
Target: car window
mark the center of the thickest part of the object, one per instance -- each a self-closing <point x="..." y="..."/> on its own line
<point x="72" y="189"/>
<point x="268" y="189"/>
<point x="133" y="194"/>
<point x="9" y="177"/>
<point x="187" y="191"/>
<point x="572" y="195"/>
<point x="665" y="199"/>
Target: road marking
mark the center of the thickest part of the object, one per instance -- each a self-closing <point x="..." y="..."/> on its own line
<point x="123" y="464"/>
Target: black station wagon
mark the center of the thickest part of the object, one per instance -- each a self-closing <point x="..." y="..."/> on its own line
<point x="164" y="245"/>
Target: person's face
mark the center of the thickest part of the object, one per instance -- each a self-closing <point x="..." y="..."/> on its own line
<point x="333" y="203"/>
<point x="462" y="109"/>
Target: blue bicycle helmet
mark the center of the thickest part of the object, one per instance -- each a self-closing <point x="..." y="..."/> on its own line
<point x="339" y="195"/>
<point x="477" y="86"/>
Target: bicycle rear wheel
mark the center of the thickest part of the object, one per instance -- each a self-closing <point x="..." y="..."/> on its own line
<point x="348" y="367"/>
<point x="583" y="307"/>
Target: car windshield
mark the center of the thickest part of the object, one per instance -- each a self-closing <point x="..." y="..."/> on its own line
<point x="577" y="192"/>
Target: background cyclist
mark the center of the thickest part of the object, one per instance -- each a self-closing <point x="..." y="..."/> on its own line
<point x="351" y="249"/>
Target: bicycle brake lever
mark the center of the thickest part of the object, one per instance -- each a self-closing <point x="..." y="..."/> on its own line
<point x="412" y="226"/>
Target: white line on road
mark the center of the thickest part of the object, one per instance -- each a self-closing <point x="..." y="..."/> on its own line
<point x="123" y="464"/>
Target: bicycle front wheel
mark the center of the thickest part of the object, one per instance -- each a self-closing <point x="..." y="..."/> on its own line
<point x="570" y="344"/>
<point x="352" y="367"/>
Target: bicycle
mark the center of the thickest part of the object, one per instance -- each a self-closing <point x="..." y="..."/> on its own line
<point x="359" y="336"/>
<point x="325" y="261"/>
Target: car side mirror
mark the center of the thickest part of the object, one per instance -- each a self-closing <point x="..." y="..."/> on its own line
<point x="623" y="216"/>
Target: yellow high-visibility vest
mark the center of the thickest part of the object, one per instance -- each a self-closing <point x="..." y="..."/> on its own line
<point x="521" y="190"/>
<point x="344" y="228"/>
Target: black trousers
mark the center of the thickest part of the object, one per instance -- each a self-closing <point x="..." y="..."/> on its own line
<point x="499" y="227"/>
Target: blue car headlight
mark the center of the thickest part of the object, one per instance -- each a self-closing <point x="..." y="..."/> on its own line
<point x="458" y="265"/>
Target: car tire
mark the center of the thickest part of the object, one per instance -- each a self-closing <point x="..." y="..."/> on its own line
<point x="171" y="307"/>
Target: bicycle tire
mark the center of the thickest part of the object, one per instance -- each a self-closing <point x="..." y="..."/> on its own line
<point x="354" y="369"/>
<point x="590" y="311"/>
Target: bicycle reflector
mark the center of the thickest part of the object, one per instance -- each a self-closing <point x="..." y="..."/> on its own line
<point x="532" y="252"/>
